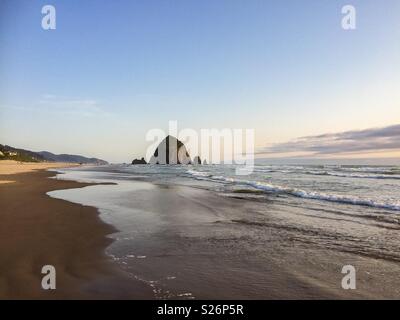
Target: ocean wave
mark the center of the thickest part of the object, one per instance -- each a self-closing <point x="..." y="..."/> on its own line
<point x="313" y="195"/>
<point x="199" y="173"/>
<point x="361" y="174"/>
<point x="352" y="175"/>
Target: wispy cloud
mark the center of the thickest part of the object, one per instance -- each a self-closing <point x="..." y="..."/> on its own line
<point x="348" y="142"/>
<point x="72" y="106"/>
<point x="53" y="104"/>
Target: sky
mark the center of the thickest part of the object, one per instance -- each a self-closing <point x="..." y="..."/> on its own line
<point x="113" y="70"/>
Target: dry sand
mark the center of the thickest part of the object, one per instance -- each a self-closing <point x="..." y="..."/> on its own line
<point x="36" y="230"/>
<point x="12" y="167"/>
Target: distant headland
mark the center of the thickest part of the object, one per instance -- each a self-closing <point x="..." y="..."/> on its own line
<point x="11" y="153"/>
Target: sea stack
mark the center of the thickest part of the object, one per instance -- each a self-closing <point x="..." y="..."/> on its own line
<point x="196" y="160"/>
<point x="170" y="151"/>
<point x="137" y="161"/>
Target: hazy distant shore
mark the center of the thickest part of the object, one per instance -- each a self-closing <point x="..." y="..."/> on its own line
<point x="36" y="230"/>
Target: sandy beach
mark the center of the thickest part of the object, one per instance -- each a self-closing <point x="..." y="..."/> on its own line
<point x="8" y="167"/>
<point x="134" y="237"/>
<point x="36" y="230"/>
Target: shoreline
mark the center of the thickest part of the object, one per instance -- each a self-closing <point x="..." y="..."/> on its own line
<point x="192" y="243"/>
<point x="145" y="240"/>
<point x="37" y="230"/>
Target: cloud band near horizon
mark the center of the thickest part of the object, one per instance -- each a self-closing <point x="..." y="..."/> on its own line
<point x="348" y="142"/>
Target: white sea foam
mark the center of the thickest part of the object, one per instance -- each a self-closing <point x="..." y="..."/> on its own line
<point x="361" y="173"/>
<point x="268" y="187"/>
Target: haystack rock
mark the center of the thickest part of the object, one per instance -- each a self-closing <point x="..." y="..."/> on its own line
<point x="170" y="151"/>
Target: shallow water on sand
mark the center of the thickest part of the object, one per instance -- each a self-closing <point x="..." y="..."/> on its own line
<point x="202" y="232"/>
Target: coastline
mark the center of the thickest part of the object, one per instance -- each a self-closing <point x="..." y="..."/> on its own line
<point x="37" y="230"/>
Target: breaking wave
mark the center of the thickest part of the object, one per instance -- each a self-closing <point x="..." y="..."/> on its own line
<point x="342" y="173"/>
<point x="271" y="188"/>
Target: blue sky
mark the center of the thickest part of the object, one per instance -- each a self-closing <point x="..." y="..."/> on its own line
<point x="112" y="70"/>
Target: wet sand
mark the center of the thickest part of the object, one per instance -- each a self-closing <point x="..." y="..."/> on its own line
<point x="36" y="230"/>
<point x="172" y="242"/>
<point x="191" y="243"/>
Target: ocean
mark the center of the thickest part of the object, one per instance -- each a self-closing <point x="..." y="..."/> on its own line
<point x="283" y="231"/>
